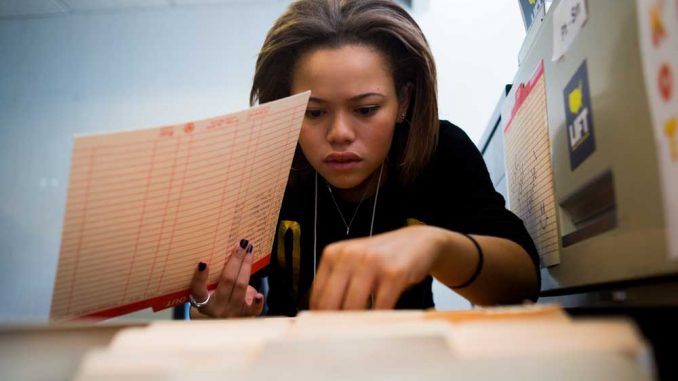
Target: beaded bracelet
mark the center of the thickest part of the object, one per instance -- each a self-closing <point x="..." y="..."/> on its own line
<point x="479" y="267"/>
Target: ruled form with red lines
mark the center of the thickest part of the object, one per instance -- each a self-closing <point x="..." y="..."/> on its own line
<point x="145" y="206"/>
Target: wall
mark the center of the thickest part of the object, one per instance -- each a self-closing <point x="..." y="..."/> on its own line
<point x="475" y="44"/>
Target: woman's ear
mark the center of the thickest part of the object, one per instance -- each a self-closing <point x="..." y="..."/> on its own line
<point x="404" y="97"/>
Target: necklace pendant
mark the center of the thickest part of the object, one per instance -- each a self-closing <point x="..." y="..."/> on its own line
<point x="347" y="229"/>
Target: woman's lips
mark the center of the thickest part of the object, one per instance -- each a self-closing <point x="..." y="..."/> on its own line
<point x="342" y="161"/>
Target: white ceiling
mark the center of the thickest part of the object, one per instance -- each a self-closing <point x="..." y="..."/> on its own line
<point x="10" y="9"/>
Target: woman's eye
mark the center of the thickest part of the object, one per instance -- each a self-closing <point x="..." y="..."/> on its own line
<point x="367" y="110"/>
<point x="314" y="114"/>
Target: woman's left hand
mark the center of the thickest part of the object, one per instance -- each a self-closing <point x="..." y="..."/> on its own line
<point x="383" y="265"/>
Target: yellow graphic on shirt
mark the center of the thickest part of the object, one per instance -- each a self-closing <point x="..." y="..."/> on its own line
<point x="531" y="1"/>
<point x="670" y="132"/>
<point x="575" y="99"/>
<point x="283" y="227"/>
<point x="413" y="221"/>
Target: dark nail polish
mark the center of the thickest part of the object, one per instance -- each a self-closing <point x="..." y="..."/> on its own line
<point x="243" y="243"/>
<point x="202" y="266"/>
<point x="250" y="248"/>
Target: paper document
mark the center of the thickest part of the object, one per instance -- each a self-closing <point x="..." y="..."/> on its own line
<point x="569" y="18"/>
<point x="528" y="166"/>
<point x="145" y="206"/>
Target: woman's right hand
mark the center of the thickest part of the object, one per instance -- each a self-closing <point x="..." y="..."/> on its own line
<point x="233" y="296"/>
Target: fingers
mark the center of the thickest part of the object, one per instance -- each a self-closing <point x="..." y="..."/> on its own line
<point x="199" y="282"/>
<point x="321" y="276"/>
<point x="233" y="295"/>
<point x="241" y="284"/>
<point x="254" y="302"/>
<point x="352" y="270"/>
<point x="331" y="296"/>
<point x="334" y="275"/>
<point x="229" y="274"/>
<point x="387" y="297"/>
<point x="358" y="291"/>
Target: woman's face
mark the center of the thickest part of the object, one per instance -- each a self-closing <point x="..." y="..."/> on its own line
<point x="350" y="119"/>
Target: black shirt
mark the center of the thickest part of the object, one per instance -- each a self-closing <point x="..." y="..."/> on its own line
<point x="454" y="192"/>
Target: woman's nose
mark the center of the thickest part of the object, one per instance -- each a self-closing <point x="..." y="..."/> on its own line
<point x="340" y="129"/>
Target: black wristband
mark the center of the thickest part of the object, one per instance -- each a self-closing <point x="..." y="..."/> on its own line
<point x="479" y="267"/>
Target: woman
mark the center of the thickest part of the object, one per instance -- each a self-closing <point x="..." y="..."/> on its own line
<point x="382" y="195"/>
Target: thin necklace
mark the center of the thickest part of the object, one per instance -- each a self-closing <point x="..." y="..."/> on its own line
<point x="315" y="216"/>
<point x="355" y="212"/>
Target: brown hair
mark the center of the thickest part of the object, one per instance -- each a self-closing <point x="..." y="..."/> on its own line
<point x="382" y="24"/>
